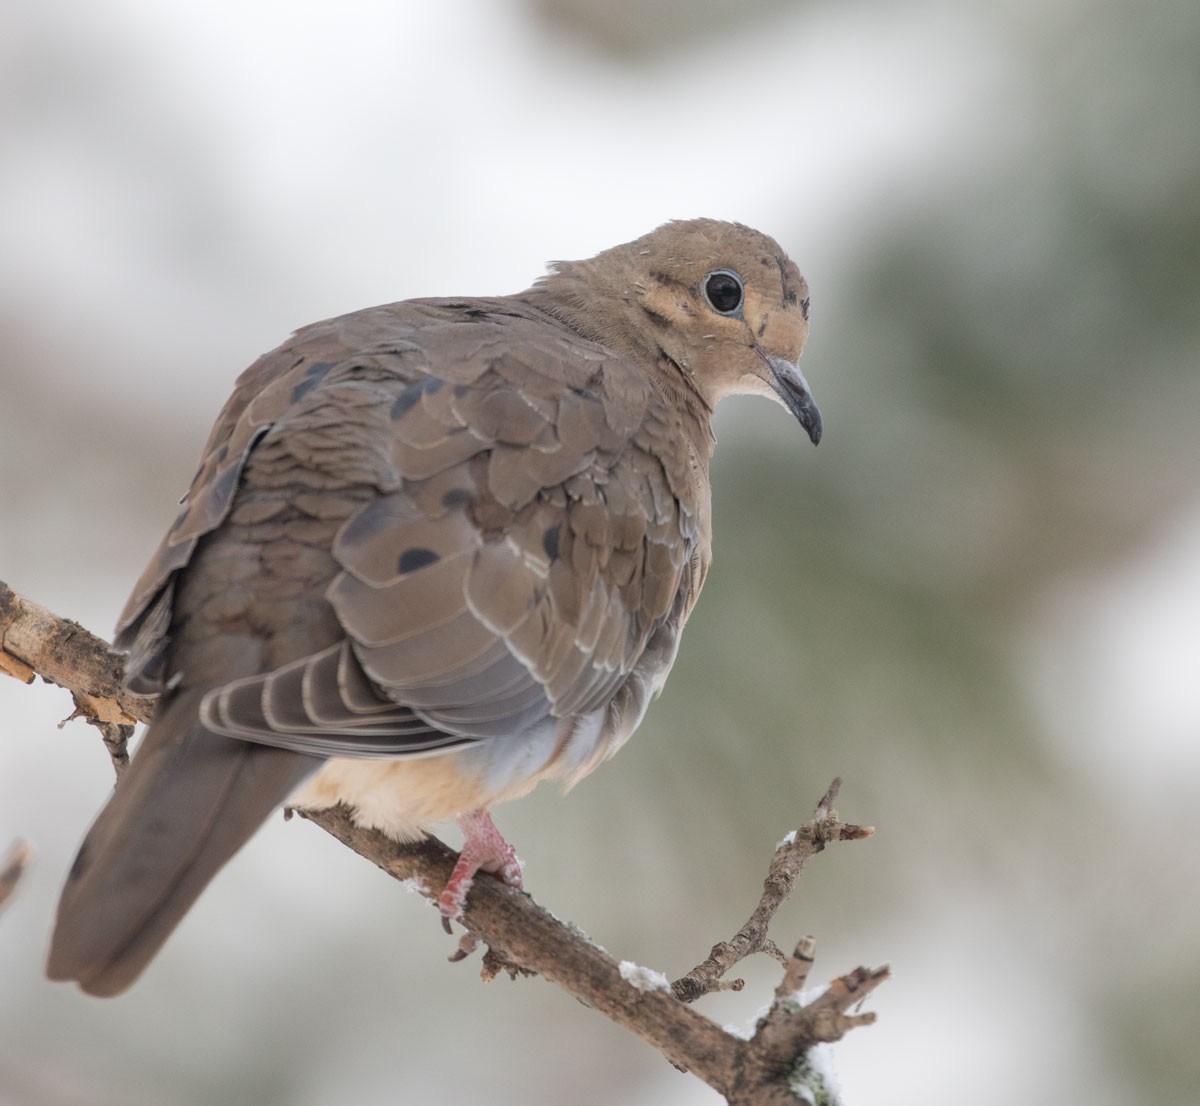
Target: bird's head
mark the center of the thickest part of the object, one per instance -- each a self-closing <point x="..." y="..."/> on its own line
<point x="720" y="301"/>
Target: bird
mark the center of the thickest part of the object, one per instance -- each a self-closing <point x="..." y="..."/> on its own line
<point x="436" y="552"/>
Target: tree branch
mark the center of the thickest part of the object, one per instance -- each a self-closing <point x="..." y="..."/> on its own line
<point x="522" y="938"/>
<point x="791" y="856"/>
<point x="34" y="641"/>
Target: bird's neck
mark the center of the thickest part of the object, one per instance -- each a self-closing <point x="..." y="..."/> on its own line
<point x="608" y="310"/>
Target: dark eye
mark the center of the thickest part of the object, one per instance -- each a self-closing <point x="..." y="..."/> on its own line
<point x="724" y="291"/>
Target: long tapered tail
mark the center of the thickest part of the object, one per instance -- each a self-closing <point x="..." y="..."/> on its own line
<point x="188" y="802"/>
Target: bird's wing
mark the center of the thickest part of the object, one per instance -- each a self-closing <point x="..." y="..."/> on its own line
<point x="534" y="525"/>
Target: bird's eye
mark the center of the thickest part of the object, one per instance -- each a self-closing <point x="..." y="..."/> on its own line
<point x="723" y="290"/>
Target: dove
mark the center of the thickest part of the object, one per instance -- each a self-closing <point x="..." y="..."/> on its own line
<point x="435" y="553"/>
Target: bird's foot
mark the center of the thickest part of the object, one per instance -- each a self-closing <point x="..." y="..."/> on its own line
<point x="484" y="850"/>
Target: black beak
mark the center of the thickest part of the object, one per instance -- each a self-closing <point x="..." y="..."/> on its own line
<point x="791" y="387"/>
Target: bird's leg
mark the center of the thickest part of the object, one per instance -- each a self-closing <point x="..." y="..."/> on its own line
<point x="484" y="849"/>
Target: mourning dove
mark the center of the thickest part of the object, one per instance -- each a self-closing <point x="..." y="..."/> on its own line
<point x="436" y="552"/>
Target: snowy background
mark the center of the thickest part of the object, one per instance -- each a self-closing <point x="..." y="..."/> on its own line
<point x="978" y="601"/>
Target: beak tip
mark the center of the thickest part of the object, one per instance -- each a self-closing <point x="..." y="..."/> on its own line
<point x="814" y="424"/>
<point x="791" y="387"/>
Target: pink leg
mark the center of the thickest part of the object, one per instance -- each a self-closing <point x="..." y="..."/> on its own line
<point x="484" y="849"/>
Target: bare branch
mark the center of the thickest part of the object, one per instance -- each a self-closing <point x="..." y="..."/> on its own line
<point x="34" y="641"/>
<point x="795" y="1022"/>
<point x="18" y="670"/>
<point x="62" y="652"/>
<point x="791" y="856"/>
<point x="521" y="937"/>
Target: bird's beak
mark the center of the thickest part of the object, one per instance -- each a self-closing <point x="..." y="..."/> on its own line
<point x="789" y="384"/>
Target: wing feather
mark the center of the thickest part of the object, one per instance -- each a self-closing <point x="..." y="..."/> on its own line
<point x="525" y="546"/>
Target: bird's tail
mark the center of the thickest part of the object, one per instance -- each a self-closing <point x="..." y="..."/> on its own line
<point x="188" y="802"/>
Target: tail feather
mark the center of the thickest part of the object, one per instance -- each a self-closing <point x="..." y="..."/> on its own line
<point x="188" y="802"/>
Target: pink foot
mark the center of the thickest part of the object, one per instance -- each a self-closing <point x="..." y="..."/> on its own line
<point x="484" y="850"/>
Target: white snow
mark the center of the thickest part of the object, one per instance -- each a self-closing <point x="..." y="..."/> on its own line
<point x="815" y="1079"/>
<point x="644" y="979"/>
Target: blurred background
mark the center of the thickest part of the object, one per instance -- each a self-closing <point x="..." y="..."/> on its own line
<point x="978" y="601"/>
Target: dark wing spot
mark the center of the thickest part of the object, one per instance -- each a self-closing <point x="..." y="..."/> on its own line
<point x="456" y="497"/>
<point x="550" y="542"/>
<point x="223" y="489"/>
<point x="412" y="559"/>
<point x="313" y="376"/>
<point x="411" y="396"/>
<point x="804" y="306"/>
<point x="406" y="401"/>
